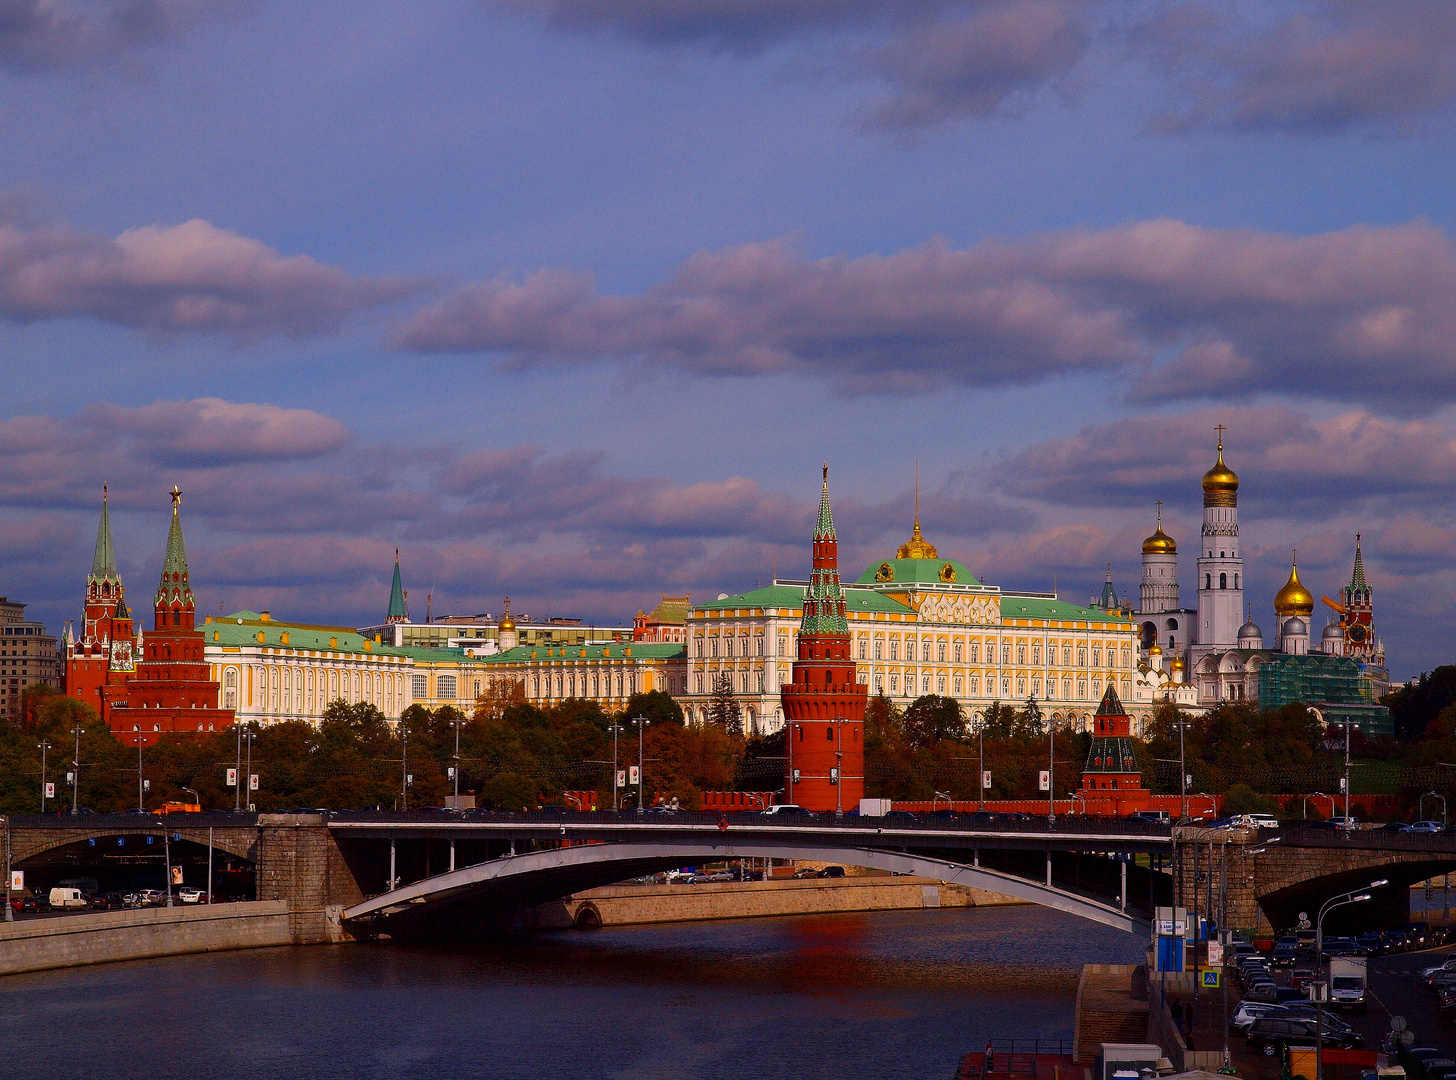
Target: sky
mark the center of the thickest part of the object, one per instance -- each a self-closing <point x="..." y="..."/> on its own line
<point x="568" y="300"/>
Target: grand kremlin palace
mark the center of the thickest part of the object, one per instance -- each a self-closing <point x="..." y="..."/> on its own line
<point x="920" y="624"/>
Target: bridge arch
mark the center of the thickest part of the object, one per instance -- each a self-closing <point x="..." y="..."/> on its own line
<point x="30" y="843"/>
<point x="458" y="902"/>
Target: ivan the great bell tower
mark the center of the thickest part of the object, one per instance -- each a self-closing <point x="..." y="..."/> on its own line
<point x="824" y="707"/>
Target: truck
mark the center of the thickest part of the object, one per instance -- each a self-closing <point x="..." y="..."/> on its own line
<point x="1347" y="983"/>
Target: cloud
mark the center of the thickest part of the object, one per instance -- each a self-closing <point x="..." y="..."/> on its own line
<point x="192" y="277"/>
<point x="1364" y="313"/>
<point x="972" y="67"/>
<point x="210" y="430"/>
<point x="1329" y="66"/>
<point x="59" y="35"/>
<point x="1289" y="463"/>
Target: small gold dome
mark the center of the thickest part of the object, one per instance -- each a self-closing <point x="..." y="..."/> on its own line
<point x="1294" y="598"/>
<point x="1220" y="483"/>
<point x="1160" y="543"/>
<point x="506" y="622"/>
<point x="1177" y="663"/>
<point x="917" y="547"/>
<point x="1155" y="649"/>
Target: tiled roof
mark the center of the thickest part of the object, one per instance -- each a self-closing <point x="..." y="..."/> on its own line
<point x="921" y="571"/>
<point x="791" y="597"/>
<point x="1030" y="607"/>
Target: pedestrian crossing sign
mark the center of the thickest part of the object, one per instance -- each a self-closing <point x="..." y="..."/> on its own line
<point x="1210" y="979"/>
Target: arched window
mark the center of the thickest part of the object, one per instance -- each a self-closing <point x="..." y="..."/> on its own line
<point x="1208" y="580"/>
<point x="957" y="652"/>
<point x="1236" y="581"/>
<point x="863" y="648"/>
<point x="940" y="652"/>
<point x="1223" y="581"/>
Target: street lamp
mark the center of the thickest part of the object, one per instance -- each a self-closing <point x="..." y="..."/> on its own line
<point x="141" y="785"/>
<point x="1434" y="795"/>
<point x="1225" y="934"/>
<point x="457" y="724"/>
<point x="76" y="775"/>
<point x="1354" y="896"/>
<point x="1182" y="726"/>
<point x="43" y="747"/>
<point x="615" y="729"/>
<point x="641" y="723"/>
<point x="789" y="730"/>
<point x="403" y="766"/>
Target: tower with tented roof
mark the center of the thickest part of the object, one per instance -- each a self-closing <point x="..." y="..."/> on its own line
<point x="102" y="658"/>
<point x="824" y="704"/>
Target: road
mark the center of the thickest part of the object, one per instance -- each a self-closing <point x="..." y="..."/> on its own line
<point x="1395" y="992"/>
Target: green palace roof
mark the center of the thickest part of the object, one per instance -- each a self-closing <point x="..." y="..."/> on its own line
<point x="791" y="597"/>
<point x="917" y="572"/>
<point x="242" y="628"/>
<point x="1032" y="607"/>
<point x="615" y="650"/>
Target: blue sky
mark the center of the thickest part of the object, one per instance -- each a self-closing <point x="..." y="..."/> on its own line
<point x="568" y="299"/>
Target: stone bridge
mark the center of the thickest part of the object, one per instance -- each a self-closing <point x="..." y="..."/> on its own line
<point x="1271" y="876"/>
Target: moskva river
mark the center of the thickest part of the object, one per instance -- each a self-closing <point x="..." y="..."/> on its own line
<point x="893" y="994"/>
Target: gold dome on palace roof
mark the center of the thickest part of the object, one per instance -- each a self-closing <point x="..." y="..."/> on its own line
<point x="1160" y="543"/>
<point x="917" y="547"/>
<point x="1220" y="483"/>
<point x="1294" y="598"/>
<point x="506" y="622"/>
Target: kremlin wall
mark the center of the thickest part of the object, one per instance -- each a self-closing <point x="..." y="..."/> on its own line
<point x="801" y="654"/>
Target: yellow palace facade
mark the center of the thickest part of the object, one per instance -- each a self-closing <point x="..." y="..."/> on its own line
<point x="919" y="624"/>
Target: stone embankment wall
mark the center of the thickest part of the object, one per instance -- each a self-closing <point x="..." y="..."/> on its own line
<point x="108" y="936"/>
<point x="622" y="905"/>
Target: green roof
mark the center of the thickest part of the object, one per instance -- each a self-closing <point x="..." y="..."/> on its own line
<point x="1031" y="607"/>
<point x="616" y="650"/>
<point x="396" y="595"/>
<point x="242" y="628"/>
<point x="174" y="581"/>
<point x="673" y="610"/>
<point x="792" y="597"/>
<point x="916" y="571"/>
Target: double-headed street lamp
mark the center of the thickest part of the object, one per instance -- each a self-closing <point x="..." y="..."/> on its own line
<point x="1433" y="795"/>
<point x="1354" y="896"/>
<point x="641" y="724"/>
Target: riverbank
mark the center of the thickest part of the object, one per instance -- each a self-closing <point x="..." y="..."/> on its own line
<point x="636" y="905"/>
<point x="106" y="937"/>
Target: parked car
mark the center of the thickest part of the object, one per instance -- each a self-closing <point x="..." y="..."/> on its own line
<point x="832" y="871"/>
<point x="1299" y="978"/>
<point x="110" y="901"/>
<point x="1371" y="943"/>
<point x="1349" y="824"/>
<point x="1284" y="955"/>
<point x="900" y="817"/>
<point x="189" y="895"/>
<point x="786" y="810"/>
<point x="1154" y="817"/>
<point x="1264" y="821"/>
<point x="1428" y="828"/>
<point x="1270" y="1035"/>
<point x="68" y="900"/>
<point x="806" y="872"/>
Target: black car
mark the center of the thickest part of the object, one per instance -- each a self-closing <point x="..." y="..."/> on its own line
<point x="900" y="817"/>
<point x="1270" y="1036"/>
<point x="1284" y="955"/>
<point x="832" y="871"/>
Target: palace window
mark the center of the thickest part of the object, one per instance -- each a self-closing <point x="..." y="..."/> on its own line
<point x="783" y="645"/>
<point x="445" y="684"/>
<point x="925" y="651"/>
<point x="940" y="652"/>
<point x="940" y="685"/>
<point x="1005" y="654"/>
<point x="1021" y="654"/>
<point x="760" y="682"/>
<point x="925" y="684"/>
<point x="894" y="649"/>
<point x="1020" y="687"/>
<point x="878" y="649"/>
<point x="1096" y="657"/>
<point x="894" y="684"/>
<point x="958" y="686"/>
<point x="700" y="683"/>
<point x="1066" y="656"/>
<point x="728" y="646"/>
<point x="863" y="648"/>
<point x="713" y="647"/>
<point x="1005" y="687"/>
<point x="957" y="652"/>
<point x="1082" y="657"/>
<point x="975" y="653"/>
<point x="758" y="643"/>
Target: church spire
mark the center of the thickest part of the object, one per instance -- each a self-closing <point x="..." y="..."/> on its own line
<point x="103" y="566"/>
<point x="397" y="612"/>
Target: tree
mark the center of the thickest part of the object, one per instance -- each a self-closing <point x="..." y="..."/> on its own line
<point x="656" y="705"/>
<point x="932" y="718"/>
<point x="499" y="693"/>
<point x="723" y="710"/>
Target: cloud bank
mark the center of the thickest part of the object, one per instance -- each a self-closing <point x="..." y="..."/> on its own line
<point x="48" y="36"/>
<point x="1176" y="310"/>
<point x="192" y="277"/>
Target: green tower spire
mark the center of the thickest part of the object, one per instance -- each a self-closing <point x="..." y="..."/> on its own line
<point x="824" y="599"/>
<point x="175" y="585"/>
<point x="1357" y="580"/>
<point x="103" y="566"/>
<point x="397" y="612"/>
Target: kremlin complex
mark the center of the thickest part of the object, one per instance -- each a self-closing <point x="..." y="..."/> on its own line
<point x="806" y="654"/>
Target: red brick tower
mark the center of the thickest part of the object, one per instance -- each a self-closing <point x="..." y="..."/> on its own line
<point x="101" y="661"/>
<point x="1112" y="783"/>
<point x="824" y="707"/>
<point x="172" y="690"/>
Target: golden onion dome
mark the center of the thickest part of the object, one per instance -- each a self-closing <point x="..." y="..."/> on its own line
<point x="1294" y="598"/>
<point x="506" y="622"/>
<point x="1160" y="543"/>
<point x="1155" y="649"/>
<point x="1177" y="663"/>
<point x="1220" y="483"/>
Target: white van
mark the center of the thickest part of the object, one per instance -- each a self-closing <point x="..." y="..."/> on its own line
<point x="62" y="899"/>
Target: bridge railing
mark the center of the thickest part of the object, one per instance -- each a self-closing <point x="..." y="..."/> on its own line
<point x="131" y="819"/>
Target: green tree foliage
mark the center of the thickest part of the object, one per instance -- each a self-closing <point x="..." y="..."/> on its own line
<point x="1412" y="708"/>
<point x="656" y="705"/>
<point x="1242" y="799"/>
<point x="931" y="719"/>
<point x="723" y="711"/>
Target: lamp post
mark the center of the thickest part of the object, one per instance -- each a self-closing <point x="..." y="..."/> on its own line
<point x="76" y="774"/>
<point x="9" y="912"/>
<point x="615" y="729"/>
<point x="141" y="787"/>
<point x="44" y="746"/>
<point x="1182" y="726"/>
<point x="248" y="779"/>
<point x="1354" y="896"/>
<point x="167" y="849"/>
<point x="404" y="766"/>
<point x="457" y="723"/>
<point x="238" y="772"/>
<point x="1347" y="772"/>
<point x="1434" y="795"/>
<point x="839" y="769"/>
<point x="641" y="723"/>
<point x="981" y="754"/>
<point x="1224" y="933"/>
<point x="789" y="733"/>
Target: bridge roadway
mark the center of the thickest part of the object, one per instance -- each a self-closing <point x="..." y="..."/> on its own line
<point x="1078" y="865"/>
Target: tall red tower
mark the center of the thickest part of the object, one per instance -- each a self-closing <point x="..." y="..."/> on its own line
<point x="824" y="707"/>
<point x="1112" y="783"/>
<point x="172" y="690"/>
<point x="101" y="661"/>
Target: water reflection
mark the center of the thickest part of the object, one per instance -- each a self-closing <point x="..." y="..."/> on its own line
<point x="893" y="994"/>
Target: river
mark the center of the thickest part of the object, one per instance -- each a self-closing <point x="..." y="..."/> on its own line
<point x="888" y="994"/>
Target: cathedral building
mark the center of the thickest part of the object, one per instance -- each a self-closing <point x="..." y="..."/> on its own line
<point x="1340" y="676"/>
